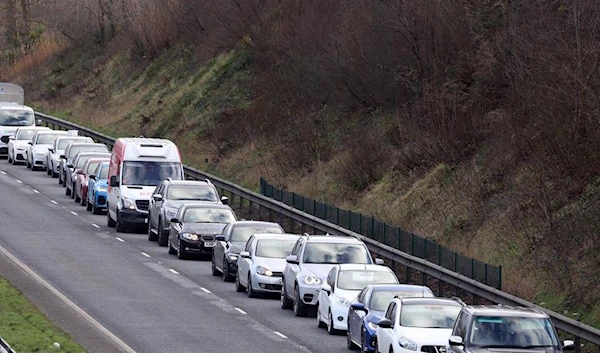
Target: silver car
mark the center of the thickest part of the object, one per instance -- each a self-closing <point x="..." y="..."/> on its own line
<point x="261" y="264"/>
<point x="17" y="144"/>
<point x="38" y="148"/>
<point x="71" y="151"/>
<point x="58" y="148"/>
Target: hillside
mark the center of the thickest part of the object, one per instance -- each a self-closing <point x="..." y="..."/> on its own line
<point x="473" y="123"/>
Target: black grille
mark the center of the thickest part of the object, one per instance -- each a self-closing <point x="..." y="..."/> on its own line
<point x="4" y="150"/>
<point x="433" y="349"/>
<point x="101" y="200"/>
<point x="142" y="204"/>
<point x="19" y="157"/>
<point x="4" y="139"/>
<point x="271" y="286"/>
<point x="277" y="274"/>
<point x="207" y="237"/>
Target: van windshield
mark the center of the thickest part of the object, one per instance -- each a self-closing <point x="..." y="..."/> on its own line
<point x="14" y="117"/>
<point x="150" y="173"/>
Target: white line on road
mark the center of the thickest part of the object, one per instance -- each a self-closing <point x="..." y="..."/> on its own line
<point x="205" y="290"/>
<point x="241" y="311"/>
<point x="74" y="213"/>
<point x="35" y="191"/>
<point x="119" y="239"/>
<point x="3" y="172"/>
<point x="173" y="271"/>
<point x="19" y="181"/>
<point x="95" y="225"/>
<point x="67" y="301"/>
<point x="280" y="334"/>
<point x="143" y="253"/>
<point x="54" y="202"/>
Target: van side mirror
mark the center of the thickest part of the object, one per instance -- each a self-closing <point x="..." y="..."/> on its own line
<point x="455" y="341"/>
<point x="62" y="156"/>
<point x="38" y="122"/>
<point x="245" y="254"/>
<point x="11" y="137"/>
<point x="326" y="288"/>
<point x="359" y="307"/>
<point x="225" y="200"/>
<point x="379" y="261"/>
<point x="92" y="176"/>
<point x="568" y="345"/>
<point x="157" y="197"/>
<point x="113" y="181"/>
<point x="30" y="142"/>
<point x="174" y="220"/>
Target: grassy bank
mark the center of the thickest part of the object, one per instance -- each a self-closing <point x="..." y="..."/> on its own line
<point x="27" y="329"/>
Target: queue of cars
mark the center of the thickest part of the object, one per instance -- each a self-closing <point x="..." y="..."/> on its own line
<point x="140" y="183"/>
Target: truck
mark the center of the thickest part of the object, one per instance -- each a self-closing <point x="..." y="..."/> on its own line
<point x="137" y="166"/>
<point x="13" y="113"/>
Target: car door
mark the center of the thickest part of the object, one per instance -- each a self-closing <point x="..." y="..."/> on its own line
<point x="460" y="329"/>
<point x="154" y="208"/>
<point x="219" y="248"/>
<point x="384" y="335"/>
<point x="355" y="317"/>
<point x="324" y="296"/>
<point x="245" y="264"/>
<point x="291" y="270"/>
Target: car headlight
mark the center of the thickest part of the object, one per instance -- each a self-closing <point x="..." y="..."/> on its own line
<point x="311" y="280"/>
<point x="128" y="203"/>
<point x="232" y="257"/>
<point x="102" y="189"/>
<point x="407" y="344"/>
<point x="372" y="325"/>
<point x="189" y="236"/>
<point x="264" y="271"/>
<point x="342" y="301"/>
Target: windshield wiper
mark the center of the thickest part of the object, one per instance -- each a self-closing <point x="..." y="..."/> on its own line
<point x="500" y="346"/>
<point x="536" y="346"/>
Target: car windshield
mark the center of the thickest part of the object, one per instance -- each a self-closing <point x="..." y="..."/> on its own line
<point x="274" y="248"/>
<point x="381" y="299"/>
<point x="429" y="315"/>
<point x="45" y="139"/>
<point x="91" y="167"/>
<point x="14" y="117"/>
<point x="208" y="215"/>
<point x="64" y="142"/>
<point x="192" y="192"/>
<point x="335" y="253"/>
<point x="359" y="279"/>
<point x="81" y="161"/>
<point x="512" y="332"/>
<point x="241" y="234"/>
<point x="104" y="172"/>
<point x="150" y="173"/>
<point x="25" y="134"/>
<point x="87" y="148"/>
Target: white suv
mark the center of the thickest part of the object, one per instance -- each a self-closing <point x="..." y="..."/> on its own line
<point x="307" y="267"/>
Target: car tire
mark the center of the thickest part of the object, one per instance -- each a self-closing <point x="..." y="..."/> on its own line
<point x="238" y="285"/>
<point x="54" y="174"/>
<point x="48" y="172"/>
<point x="330" y="329"/>
<point x="95" y="210"/>
<point x="9" y="160"/>
<point x="121" y="228"/>
<point x="215" y="270"/>
<point x="162" y="237"/>
<point x="151" y="235"/>
<point x="75" y="197"/>
<point x="83" y="199"/>
<point x="109" y="221"/>
<point x="225" y="273"/>
<point x="172" y="250"/>
<point x="28" y="164"/>
<point x="181" y="253"/>
<point x="67" y="191"/>
<point x="249" y="290"/>
<point x="349" y="344"/>
<point x="300" y="309"/>
<point x="320" y="323"/>
<point x="72" y="190"/>
<point x="286" y="302"/>
<point x="88" y="206"/>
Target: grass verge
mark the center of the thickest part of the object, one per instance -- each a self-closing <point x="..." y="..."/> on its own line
<point x="26" y="328"/>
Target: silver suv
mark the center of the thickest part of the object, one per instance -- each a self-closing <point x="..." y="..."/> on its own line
<point x="307" y="267"/>
<point x="488" y="328"/>
<point x="168" y="196"/>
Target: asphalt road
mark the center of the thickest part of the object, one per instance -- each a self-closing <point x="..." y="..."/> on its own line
<point x="149" y="299"/>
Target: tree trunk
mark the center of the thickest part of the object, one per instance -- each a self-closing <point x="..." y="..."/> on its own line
<point x="12" y="34"/>
<point x="25" y="27"/>
<point x="101" y="22"/>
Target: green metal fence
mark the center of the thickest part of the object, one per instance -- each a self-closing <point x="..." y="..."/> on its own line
<point x="393" y="236"/>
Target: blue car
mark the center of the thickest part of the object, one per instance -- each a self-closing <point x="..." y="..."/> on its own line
<point x="369" y="307"/>
<point x="97" y="188"/>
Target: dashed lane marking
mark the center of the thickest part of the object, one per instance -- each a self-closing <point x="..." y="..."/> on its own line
<point x="74" y="213"/>
<point x="119" y="239"/>
<point x="280" y="334"/>
<point x="143" y="253"/>
<point x="205" y="290"/>
<point x="241" y="311"/>
<point x="173" y="271"/>
<point x="54" y="202"/>
<point x="35" y="191"/>
<point x="95" y="225"/>
<point x="19" y="181"/>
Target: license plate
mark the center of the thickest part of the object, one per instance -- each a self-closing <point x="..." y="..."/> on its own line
<point x="209" y="244"/>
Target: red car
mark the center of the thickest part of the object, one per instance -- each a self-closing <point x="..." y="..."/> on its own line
<point x="81" y="178"/>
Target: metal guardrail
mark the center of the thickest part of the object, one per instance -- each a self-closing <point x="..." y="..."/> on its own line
<point x="568" y="325"/>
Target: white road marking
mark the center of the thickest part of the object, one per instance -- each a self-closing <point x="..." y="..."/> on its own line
<point x="74" y="213"/>
<point x="280" y="334"/>
<point x="205" y="290"/>
<point x="3" y="172"/>
<point x="95" y="225"/>
<point x="173" y="271"/>
<point x="241" y="311"/>
<point x="54" y="202"/>
<point x="35" y="191"/>
<point x="19" y="181"/>
<point x="69" y="303"/>
<point x="119" y="239"/>
<point x="143" y="253"/>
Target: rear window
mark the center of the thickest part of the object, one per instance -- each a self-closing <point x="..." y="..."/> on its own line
<point x="192" y="192"/>
<point x="89" y="148"/>
<point x="359" y="279"/>
<point x="46" y="139"/>
<point x="15" y="117"/>
<point x="241" y="234"/>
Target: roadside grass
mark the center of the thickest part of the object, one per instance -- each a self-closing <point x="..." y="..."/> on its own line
<point x="26" y="329"/>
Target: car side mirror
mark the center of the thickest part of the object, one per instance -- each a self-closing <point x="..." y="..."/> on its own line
<point x="69" y="166"/>
<point x="245" y="254"/>
<point x="225" y="200"/>
<point x="359" y="307"/>
<point x="385" y="323"/>
<point x="113" y="181"/>
<point x="379" y="261"/>
<point x="38" y="122"/>
<point x="220" y="238"/>
<point x="157" y="197"/>
<point x="92" y="176"/>
<point x="51" y="149"/>
<point x="11" y="137"/>
<point x="568" y="345"/>
<point x="175" y="220"/>
<point x="455" y="341"/>
<point x="326" y="288"/>
<point x="79" y="171"/>
<point x="292" y="259"/>
<point x="62" y="156"/>
<point x="30" y="142"/>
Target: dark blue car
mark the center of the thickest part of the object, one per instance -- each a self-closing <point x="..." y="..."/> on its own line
<point x="369" y="307"/>
<point x="97" y="189"/>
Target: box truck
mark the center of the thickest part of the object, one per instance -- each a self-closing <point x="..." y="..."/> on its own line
<point x="13" y="114"/>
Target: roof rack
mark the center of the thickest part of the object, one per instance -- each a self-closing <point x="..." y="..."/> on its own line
<point x="457" y="299"/>
<point x="208" y="181"/>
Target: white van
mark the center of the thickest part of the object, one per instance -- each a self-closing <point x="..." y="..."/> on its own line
<point x="137" y="166"/>
<point x="13" y="114"/>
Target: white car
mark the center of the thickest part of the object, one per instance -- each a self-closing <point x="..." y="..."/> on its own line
<point x="344" y="283"/>
<point x="38" y="148"/>
<point x="417" y="325"/>
<point x="261" y="263"/>
<point x="58" y="148"/>
<point x="17" y="144"/>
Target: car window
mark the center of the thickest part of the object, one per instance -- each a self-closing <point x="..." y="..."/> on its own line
<point x="249" y="244"/>
<point x="460" y="327"/>
<point x="104" y="172"/>
<point x="334" y="253"/>
<point x="274" y="248"/>
<point x="389" y="314"/>
<point x="208" y="215"/>
<point x="91" y="167"/>
<point x="359" y="279"/>
<point x="241" y="233"/>
<point x="46" y="139"/>
<point x="297" y="247"/>
<point x="361" y="296"/>
<point x="149" y="173"/>
<point x="331" y="277"/>
<point x="14" y="117"/>
<point x="429" y="315"/>
<point x="381" y="298"/>
<point x="192" y="192"/>
<point x="512" y="331"/>
<point x="25" y="134"/>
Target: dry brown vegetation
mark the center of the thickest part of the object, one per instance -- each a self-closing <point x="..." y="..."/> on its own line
<point x="475" y="122"/>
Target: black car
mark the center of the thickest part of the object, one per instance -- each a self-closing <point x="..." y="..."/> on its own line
<point x="232" y="241"/>
<point x="194" y="228"/>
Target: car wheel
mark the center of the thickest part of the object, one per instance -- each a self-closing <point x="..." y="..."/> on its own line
<point x="181" y="254"/>
<point x="349" y="344"/>
<point x="83" y="199"/>
<point x="215" y="270"/>
<point x="286" y="302"/>
<point x="162" y="237"/>
<point x="48" y="171"/>
<point x="75" y="197"/>
<point x="151" y="235"/>
<point x="330" y="329"/>
<point x="9" y="159"/>
<point x="28" y="164"/>
<point x="53" y="173"/>
<point x="95" y="210"/>
<point x="88" y="206"/>
<point x="300" y="309"/>
<point x="109" y="221"/>
<point x="67" y="191"/>
<point x="249" y="290"/>
<point x="172" y="250"/>
<point x="121" y="228"/>
<point x="320" y="323"/>
<point x="72" y="190"/>
<point x="226" y="276"/>
<point x="238" y="285"/>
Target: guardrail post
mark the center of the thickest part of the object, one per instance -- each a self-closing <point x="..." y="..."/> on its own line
<point x="337" y="216"/>
<point x="439" y="254"/>
<point x="293" y="199"/>
<point x="383" y="234"/>
<point x="472" y="268"/>
<point x="372" y="227"/>
<point x="485" y="276"/>
<point x="412" y="243"/>
<point x="500" y="287"/>
<point x="350" y="220"/>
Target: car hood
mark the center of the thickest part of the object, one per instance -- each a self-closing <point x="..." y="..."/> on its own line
<point x="137" y="192"/>
<point x="177" y="203"/>
<point x="5" y="130"/>
<point x="41" y="147"/>
<point x="375" y="316"/>
<point x="20" y="143"/>
<point x="102" y="183"/>
<point x="204" y="228"/>
<point x="275" y="265"/>
<point x="236" y="247"/>
<point x="349" y="295"/>
<point x="512" y="350"/>
<point x="427" y="336"/>
<point x="319" y="270"/>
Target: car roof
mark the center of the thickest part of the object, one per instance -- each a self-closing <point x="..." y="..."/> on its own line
<point x="188" y="182"/>
<point x="504" y="310"/>
<point x="75" y="137"/>
<point x="369" y="267"/>
<point x="276" y="236"/>
<point x="87" y="143"/>
<point x="204" y="204"/>
<point x="34" y="128"/>
<point x="398" y="287"/>
<point x="327" y="238"/>
<point x="98" y="159"/>
<point x="254" y="223"/>
<point x="429" y="300"/>
<point x="53" y="132"/>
